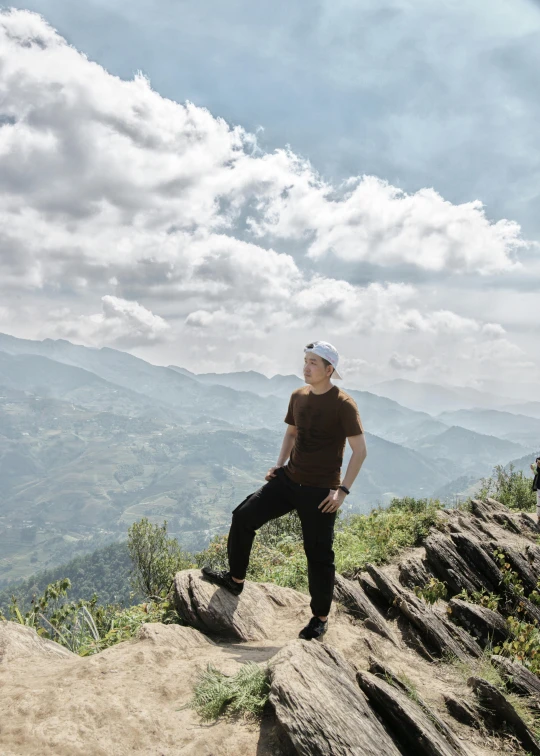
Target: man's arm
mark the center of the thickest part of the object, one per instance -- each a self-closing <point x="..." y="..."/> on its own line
<point x="288" y="442"/>
<point x="359" y="452"/>
<point x="286" y="447"/>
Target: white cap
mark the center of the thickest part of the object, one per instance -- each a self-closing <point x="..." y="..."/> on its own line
<point x="327" y="352"/>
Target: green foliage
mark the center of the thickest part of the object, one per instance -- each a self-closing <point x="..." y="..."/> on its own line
<point x="106" y="572"/>
<point x="509" y="486"/>
<point x="116" y="624"/>
<point x="522" y="644"/>
<point x="156" y="558"/>
<point x="384" y="533"/>
<point x="84" y="626"/>
<point x="244" y="693"/>
<point x="483" y="598"/>
<point x="483" y="668"/>
<point x="55" y="618"/>
<point x="433" y="591"/>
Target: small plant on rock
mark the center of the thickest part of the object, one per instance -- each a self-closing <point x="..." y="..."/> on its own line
<point x="244" y="693"/>
<point x="432" y="591"/>
<point x="482" y="598"/>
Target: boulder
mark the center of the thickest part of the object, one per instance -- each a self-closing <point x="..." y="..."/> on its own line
<point x="482" y="623"/>
<point x="415" y="730"/>
<point x="518" y="678"/>
<point x="462" y="711"/>
<point x="480" y="561"/>
<point x="413" y="573"/>
<point x="254" y="615"/>
<point x="434" y="630"/>
<point x="18" y="641"/>
<point x="319" y="705"/>
<point x="380" y="670"/>
<point x="501" y="712"/>
<point x="352" y="596"/>
<point x="448" y="565"/>
<point x="172" y="636"/>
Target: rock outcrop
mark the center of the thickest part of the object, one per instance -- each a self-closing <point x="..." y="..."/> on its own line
<point x="133" y="698"/>
<point x="414" y="730"/>
<point x="20" y="642"/>
<point x="351" y="594"/>
<point x="518" y="678"/>
<point x="320" y="706"/>
<point x="499" y="710"/>
<point x="482" y="623"/>
<point x="248" y="617"/>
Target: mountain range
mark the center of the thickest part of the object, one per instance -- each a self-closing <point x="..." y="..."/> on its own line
<point x="93" y="439"/>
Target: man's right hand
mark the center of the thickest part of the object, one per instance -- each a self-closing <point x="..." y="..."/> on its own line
<point x="272" y="472"/>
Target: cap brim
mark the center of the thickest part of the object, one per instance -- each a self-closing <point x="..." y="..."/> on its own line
<point x="336" y="375"/>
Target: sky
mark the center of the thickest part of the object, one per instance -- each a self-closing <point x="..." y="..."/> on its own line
<point x="215" y="185"/>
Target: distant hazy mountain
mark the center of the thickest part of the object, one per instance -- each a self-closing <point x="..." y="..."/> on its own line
<point x="392" y="421"/>
<point x="531" y="409"/>
<point x="429" y="397"/>
<point x="278" y="385"/>
<point x="523" y="464"/>
<point x="519" y="392"/>
<point x="188" y="398"/>
<point x="467" y="452"/>
<point x="458" y="489"/>
<point x="506" y="425"/>
<point x="191" y="396"/>
<point x="389" y="465"/>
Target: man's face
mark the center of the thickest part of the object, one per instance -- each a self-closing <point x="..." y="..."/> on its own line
<point x="314" y="368"/>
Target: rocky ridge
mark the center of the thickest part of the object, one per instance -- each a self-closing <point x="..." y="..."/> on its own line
<point x="378" y="684"/>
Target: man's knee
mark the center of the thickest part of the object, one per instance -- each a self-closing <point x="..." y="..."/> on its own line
<point x="317" y="555"/>
<point x="246" y="517"/>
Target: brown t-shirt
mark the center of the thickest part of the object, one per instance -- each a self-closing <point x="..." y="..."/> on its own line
<point x="323" y="422"/>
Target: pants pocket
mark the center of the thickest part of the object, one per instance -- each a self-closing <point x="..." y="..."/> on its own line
<point x="243" y="502"/>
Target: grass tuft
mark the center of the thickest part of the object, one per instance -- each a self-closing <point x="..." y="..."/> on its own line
<point x="244" y="693"/>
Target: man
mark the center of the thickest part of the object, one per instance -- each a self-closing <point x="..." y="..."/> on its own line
<point x="319" y="419"/>
<point x="535" y="467"/>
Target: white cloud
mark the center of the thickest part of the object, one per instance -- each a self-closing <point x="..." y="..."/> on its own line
<point x="378" y="223"/>
<point x="405" y="362"/>
<point x="107" y="186"/>
<point x="120" y="323"/>
<point x="254" y="361"/>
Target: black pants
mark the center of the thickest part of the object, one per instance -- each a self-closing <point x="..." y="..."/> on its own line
<point x="276" y="498"/>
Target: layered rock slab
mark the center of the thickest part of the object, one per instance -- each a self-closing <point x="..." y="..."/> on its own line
<point x="351" y="594"/>
<point x="517" y="677"/>
<point x="416" y="730"/>
<point x="254" y="615"/>
<point x="496" y="707"/>
<point x="320" y="706"/>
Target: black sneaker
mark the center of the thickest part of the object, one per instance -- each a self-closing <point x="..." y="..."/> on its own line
<point x="315" y="629"/>
<point x="224" y="579"/>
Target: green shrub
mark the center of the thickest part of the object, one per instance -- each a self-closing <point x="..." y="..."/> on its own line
<point x="84" y="626"/>
<point x="433" y="591"/>
<point x="523" y="643"/>
<point x="509" y="486"/>
<point x="384" y="533"/>
<point x="483" y="598"/>
<point x="244" y="693"/>
<point x="156" y="558"/>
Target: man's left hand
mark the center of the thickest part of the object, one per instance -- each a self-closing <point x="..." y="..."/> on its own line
<point x="333" y="501"/>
